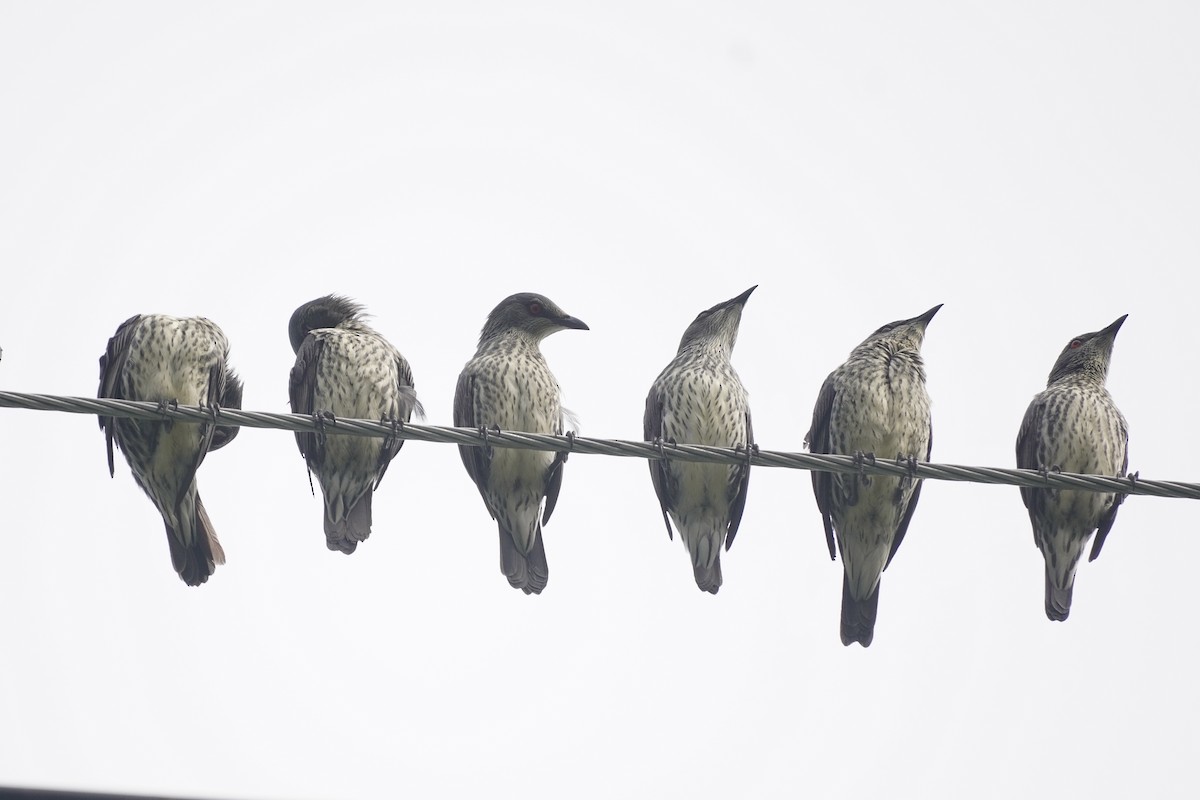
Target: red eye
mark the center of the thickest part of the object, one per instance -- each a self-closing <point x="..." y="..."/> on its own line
<point x="1076" y="343"/>
<point x="535" y="308"/>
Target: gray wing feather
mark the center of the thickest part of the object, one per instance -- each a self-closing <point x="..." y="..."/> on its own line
<point x="1110" y="516"/>
<point x="819" y="442"/>
<point x="112" y="365"/>
<point x="739" y="482"/>
<point x="302" y="385"/>
<point x="652" y="426"/>
<point x="1027" y="455"/>
<point x="477" y="460"/>
<point x="902" y="528"/>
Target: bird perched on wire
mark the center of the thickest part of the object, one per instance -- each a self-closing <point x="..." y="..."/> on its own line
<point x="699" y="399"/>
<point x="1073" y="426"/>
<point x="875" y="404"/>
<point x="171" y="361"/>
<point x="344" y="368"/>
<point x="507" y="385"/>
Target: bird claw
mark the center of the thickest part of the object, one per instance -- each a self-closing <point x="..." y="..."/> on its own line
<point x="395" y="425"/>
<point x="860" y="460"/>
<point x="909" y="463"/>
<point x="657" y="442"/>
<point x="751" y="450"/>
<point x="163" y="405"/>
<point x="1133" y="478"/>
<point x="484" y="432"/>
<point x="320" y="419"/>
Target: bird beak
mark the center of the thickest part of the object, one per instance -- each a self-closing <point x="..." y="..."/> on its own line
<point x="928" y="315"/>
<point x="743" y="297"/>
<point x="1111" y="330"/>
<point x="572" y="322"/>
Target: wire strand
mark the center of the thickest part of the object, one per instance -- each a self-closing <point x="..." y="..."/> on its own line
<point x="605" y="447"/>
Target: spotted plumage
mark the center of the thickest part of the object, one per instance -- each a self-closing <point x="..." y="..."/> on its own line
<point x="873" y="405"/>
<point x="344" y="368"/>
<point x="1073" y="426"/>
<point x="170" y="360"/>
<point x="699" y="399"/>
<point x="508" y="385"/>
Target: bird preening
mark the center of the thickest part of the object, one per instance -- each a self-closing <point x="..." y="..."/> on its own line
<point x="344" y="368"/>
<point x="874" y="406"/>
<point x="169" y="360"/>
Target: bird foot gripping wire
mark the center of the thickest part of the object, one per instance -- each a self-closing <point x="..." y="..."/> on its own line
<point x="570" y="437"/>
<point x="484" y="432"/>
<point x="861" y="459"/>
<point x="750" y="450"/>
<point x="320" y="420"/>
<point x="1045" y="471"/>
<point x="909" y="463"/>
<point x="163" y="405"/>
<point x="658" y="442"/>
<point x="395" y="426"/>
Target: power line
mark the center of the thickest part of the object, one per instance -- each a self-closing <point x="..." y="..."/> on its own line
<point x="605" y="447"/>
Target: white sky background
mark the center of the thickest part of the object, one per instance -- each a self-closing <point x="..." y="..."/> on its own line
<point x="1033" y="166"/>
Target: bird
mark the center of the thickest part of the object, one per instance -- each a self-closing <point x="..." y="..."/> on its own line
<point x="699" y="399"/>
<point x="172" y="361"/>
<point x="1073" y="425"/>
<point x="344" y="368"/>
<point x="873" y="404"/>
<point x="507" y="385"/>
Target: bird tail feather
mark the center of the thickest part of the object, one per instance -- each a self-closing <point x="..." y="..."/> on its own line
<point x="354" y="527"/>
<point x="1058" y="596"/>
<point x="528" y="572"/>
<point x="708" y="578"/>
<point x="195" y="550"/>
<point x="858" y="616"/>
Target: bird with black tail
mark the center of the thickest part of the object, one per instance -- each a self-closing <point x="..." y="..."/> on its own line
<point x="345" y="368"/>
<point x="699" y="399"/>
<point x="172" y="361"/>
<point x="873" y="406"/>
<point x="1073" y="426"/>
<point x="508" y="386"/>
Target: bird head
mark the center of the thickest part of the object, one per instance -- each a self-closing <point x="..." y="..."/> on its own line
<point x="324" y="312"/>
<point x="1087" y="354"/>
<point x="530" y="313"/>
<point x="717" y="324"/>
<point x="903" y="334"/>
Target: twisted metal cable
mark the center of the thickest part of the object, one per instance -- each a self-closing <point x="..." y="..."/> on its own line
<point x="604" y="447"/>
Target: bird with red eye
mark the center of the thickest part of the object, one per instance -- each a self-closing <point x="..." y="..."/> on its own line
<point x="1073" y="426"/>
<point x="508" y="386"/>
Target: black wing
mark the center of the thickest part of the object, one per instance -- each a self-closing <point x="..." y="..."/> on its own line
<point x="738" y="483"/>
<point x="819" y="442"/>
<point x="230" y="396"/>
<point x="112" y="365"/>
<point x="554" y="474"/>
<point x="1110" y="516"/>
<point x="1027" y="453"/>
<point x="408" y="404"/>
<point x="652" y="427"/>
<point x="477" y="460"/>
<point x="902" y="528"/>
<point x="302" y="385"/>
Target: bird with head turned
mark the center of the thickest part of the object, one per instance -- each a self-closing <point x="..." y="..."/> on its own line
<point x="345" y="368"/>
<point x="1073" y="425"/>
<point x="507" y="385"/>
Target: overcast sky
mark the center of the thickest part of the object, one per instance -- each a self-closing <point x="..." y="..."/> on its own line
<point x="1033" y="166"/>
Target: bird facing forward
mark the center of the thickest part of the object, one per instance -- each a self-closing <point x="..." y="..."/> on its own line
<point x="873" y="404"/>
<point x="1073" y="426"/>
<point x="699" y="399"/>
<point x="507" y="385"/>
<point x="344" y="368"/>
<point x="174" y="361"/>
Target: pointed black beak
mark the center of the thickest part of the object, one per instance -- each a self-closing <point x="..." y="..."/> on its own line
<point x="1111" y="330"/>
<point x="572" y="322"/>
<point x="928" y="315"/>
<point x="744" y="296"/>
